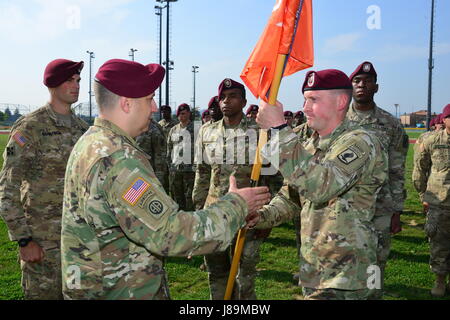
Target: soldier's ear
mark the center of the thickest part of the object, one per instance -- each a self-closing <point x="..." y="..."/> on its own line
<point x="376" y="88"/>
<point x="125" y="104"/>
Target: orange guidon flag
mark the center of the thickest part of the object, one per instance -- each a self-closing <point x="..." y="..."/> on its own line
<point x="288" y="32"/>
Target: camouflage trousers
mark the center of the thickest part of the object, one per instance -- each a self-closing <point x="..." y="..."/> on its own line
<point x="437" y="229"/>
<point x="218" y="266"/>
<point x="335" y="294"/>
<point x="42" y="280"/>
<point x="382" y="226"/>
<point x="181" y="186"/>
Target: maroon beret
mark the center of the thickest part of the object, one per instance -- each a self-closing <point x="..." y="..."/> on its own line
<point x="329" y="79"/>
<point x="433" y="121"/>
<point x="214" y="101"/>
<point x="205" y="113"/>
<point x="59" y="70"/>
<point x="252" y="107"/>
<point x="299" y="114"/>
<point x="231" y="84"/>
<point x="364" y="68"/>
<point x="130" y="79"/>
<point x="163" y="107"/>
<point x="288" y="114"/>
<point x="445" y="113"/>
<point x="183" y="107"/>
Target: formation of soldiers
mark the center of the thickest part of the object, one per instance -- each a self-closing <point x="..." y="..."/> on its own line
<point x="95" y="210"/>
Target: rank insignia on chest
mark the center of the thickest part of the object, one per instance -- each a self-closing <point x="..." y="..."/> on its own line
<point x="20" y="139"/>
<point x="135" y="191"/>
<point x="348" y="156"/>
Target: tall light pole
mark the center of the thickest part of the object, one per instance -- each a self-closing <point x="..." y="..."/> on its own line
<point x="131" y="54"/>
<point x="430" y="66"/>
<point x="91" y="56"/>
<point x="194" y="71"/>
<point x="158" y="12"/>
<point x="168" y="63"/>
<point x="397" y="114"/>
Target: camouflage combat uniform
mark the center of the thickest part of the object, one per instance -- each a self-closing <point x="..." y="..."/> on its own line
<point x="431" y="178"/>
<point x="31" y="192"/>
<point x="219" y="162"/>
<point x="167" y="125"/>
<point x="119" y="224"/>
<point x="154" y="143"/>
<point x="339" y="178"/>
<point x="180" y="152"/>
<point x="392" y="195"/>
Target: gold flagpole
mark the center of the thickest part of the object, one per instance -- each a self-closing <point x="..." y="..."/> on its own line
<point x="256" y="171"/>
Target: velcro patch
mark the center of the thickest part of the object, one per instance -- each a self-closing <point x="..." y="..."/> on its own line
<point x="348" y="156"/>
<point x="19" y="138"/>
<point x="135" y="191"/>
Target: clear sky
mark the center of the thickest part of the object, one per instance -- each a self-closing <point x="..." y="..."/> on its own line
<point x="218" y="36"/>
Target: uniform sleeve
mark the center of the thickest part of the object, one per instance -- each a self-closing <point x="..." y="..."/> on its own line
<point x="281" y="208"/>
<point x="18" y="156"/>
<point x="169" y="147"/>
<point x="422" y="167"/>
<point x="320" y="182"/>
<point x="397" y="153"/>
<point x="151" y="218"/>
<point x="202" y="175"/>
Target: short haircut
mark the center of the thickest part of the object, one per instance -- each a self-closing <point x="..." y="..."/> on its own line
<point x="347" y="92"/>
<point x="105" y="98"/>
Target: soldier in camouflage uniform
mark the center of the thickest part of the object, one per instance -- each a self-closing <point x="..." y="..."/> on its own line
<point x="118" y="223"/>
<point x="299" y="118"/>
<point x="214" y="109"/>
<point x="32" y="180"/>
<point x="222" y="150"/>
<point x="395" y="141"/>
<point x="431" y="178"/>
<point x="154" y="143"/>
<point x="180" y="152"/>
<point x="339" y="173"/>
<point x="167" y="122"/>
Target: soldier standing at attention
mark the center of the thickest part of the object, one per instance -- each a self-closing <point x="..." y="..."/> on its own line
<point x="206" y="116"/>
<point x="395" y="142"/>
<point x="431" y="178"/>
<point x="214" y="109"/>
<point x="252" y="111"/>
<point x="180" y="152"/>
<point x="339" y="174"/>
<point x="299" y="118"/>
<point x="118" y="223"/>
<point x="32" y="180"/>
<point x="167" y="122"/>
<point x="154" y="143"/>
<point x="227" y="153"/>
<point x="289" y="117"/>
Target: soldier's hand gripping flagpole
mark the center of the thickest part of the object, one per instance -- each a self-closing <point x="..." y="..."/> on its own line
<point x="285" y="47"/>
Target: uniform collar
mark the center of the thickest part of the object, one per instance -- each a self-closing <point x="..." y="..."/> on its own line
<point x="106" y="124"/>
<point x="54" y="117"/>
<point x="368" y="116"/>
<point x="325" y="142"/>
<point x="243" y="124"/>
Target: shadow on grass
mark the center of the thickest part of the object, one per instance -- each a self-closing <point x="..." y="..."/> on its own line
<point x="279" y="276"/>
<point x="411" y="239"/>
<point x="412" y="257"/>
<point x="410" y="292"/>
<point x="274" y="240"/>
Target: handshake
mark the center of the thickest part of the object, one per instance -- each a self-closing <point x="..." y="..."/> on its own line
<point x="255" y="198"/>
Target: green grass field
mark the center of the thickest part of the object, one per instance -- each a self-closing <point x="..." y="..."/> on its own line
<point x="407" y="274"/>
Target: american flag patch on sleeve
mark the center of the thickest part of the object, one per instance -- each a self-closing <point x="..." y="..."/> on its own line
<point x="135" y="191"/>
<point x="20" y="139"/>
